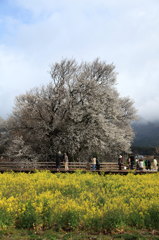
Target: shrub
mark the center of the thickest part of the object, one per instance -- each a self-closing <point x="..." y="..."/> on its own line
<point x="47" y="216"/>
<point x="27" y="219"/>
<point x="68" y="220"/>
<point x="113" y="219"/>
<point x="6" y="219"/>
<point x="152" y="217"/>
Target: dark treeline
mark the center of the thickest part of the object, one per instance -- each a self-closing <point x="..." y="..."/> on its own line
<point x="145" y="150"/>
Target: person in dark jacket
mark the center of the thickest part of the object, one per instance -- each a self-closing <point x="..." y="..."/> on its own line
<point x="120" y="162"/>
<point x="132" y="161"/>
<point x="59" y="159"/>
<point x="148" y="164"/>
<point x="97" y="164"/>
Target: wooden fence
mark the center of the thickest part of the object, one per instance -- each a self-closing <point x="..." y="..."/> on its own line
<point x="106" y="167"/>
<point x="30" y="166"/>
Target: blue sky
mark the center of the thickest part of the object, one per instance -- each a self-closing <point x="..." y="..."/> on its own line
<point x="36" y="33"/>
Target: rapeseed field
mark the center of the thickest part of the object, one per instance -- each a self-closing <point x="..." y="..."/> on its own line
<point x="79" y="201"/>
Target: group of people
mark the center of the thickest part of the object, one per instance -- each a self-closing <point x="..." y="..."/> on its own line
<point x="93" y="164"/>
<point x="132" y="162"/>
<point x="137" y="163"/>
<point x="146" y="164"/>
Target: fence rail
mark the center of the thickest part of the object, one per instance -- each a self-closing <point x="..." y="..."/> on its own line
<point x="8" y="166"/>
<point x="106" y="167"/>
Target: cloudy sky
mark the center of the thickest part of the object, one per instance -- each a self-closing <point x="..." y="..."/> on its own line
<point x="36" y="33"/>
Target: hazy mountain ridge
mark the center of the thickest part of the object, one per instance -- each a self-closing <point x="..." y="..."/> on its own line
<point x="146" y="134"/>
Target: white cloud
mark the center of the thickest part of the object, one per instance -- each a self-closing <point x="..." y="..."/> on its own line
<point x="123" y="32"/>
<point x="149" y="109"/>
<point x="18" y="74"/>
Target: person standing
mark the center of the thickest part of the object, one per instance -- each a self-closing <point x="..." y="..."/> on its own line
<point x="120" y="162"/>
<point x="59" y="158"/>
<point x="146" y="164"/>
<point x="149" y="164"/>
<point x="66" y="161"/>
<point x="141" y="164"/>
<point x="128" y="162"/>
<point x="154" y="164"/>
<point x="137" y="164"/>
<point x="132" y="161"/>
<point x="94" y="161"/>
<point x="97" y="164"/>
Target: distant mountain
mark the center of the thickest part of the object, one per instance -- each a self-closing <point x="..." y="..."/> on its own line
<point x="146" y="134"/>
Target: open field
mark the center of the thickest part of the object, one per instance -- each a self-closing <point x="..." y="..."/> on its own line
<point x="66" y="203"/>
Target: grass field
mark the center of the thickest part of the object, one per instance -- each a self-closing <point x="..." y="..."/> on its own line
<point x="79" y="206"/>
